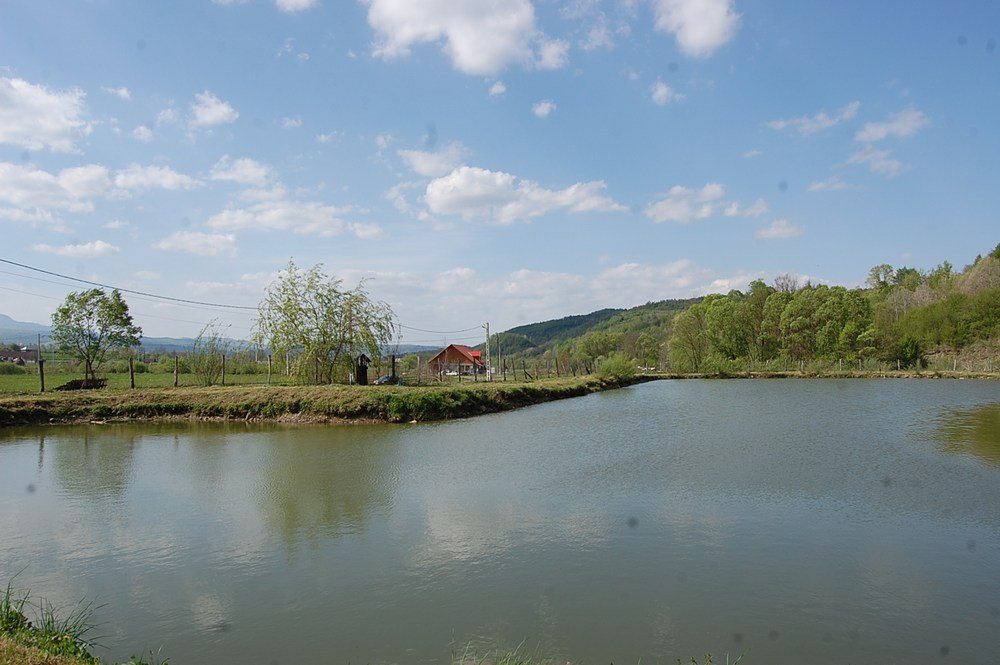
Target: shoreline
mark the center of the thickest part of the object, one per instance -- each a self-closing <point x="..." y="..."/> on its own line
<point x="350" y="405"/>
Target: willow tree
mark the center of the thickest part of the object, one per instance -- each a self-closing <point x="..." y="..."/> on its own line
<point x="310" y="318"/>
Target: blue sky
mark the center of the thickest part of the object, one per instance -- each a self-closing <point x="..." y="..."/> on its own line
<point x="489" y="160"/>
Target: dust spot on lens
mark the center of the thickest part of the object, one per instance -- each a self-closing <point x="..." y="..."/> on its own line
<point x="783" y="185"/>
<point x="945" y="650"/>
<point x="773" y="635"/>
<point x="737" y="637"/>
<point x="31" y="488"/>
<point x="970" y="545"/>
<point x="140" y="44"/>
<point x="673" y="66"/>
<point x="887" y="481"/>
<point x="633" y="522"/>
<point x="962" y="40"/>
<point x="991" y="45"/>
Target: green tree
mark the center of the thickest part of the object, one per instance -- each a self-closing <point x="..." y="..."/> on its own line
<point x="689" y="345"/>
<point x="322" y="326"/>
<point x="207" y="352"/>
<point x="91" y="323"/>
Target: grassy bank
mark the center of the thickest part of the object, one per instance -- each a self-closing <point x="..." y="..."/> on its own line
<point x="294" y="403"/>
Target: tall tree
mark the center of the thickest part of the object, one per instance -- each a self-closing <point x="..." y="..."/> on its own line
<point x="311" y="317"/>
<point x="91" y="323"/>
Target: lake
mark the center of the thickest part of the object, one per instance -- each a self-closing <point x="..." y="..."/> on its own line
<point x="796" y="521"/>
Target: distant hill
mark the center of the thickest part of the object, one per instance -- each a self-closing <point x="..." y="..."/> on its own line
<point x="555" y="330"/>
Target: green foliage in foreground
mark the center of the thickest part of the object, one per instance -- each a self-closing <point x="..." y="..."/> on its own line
<point x="52" y="631"/>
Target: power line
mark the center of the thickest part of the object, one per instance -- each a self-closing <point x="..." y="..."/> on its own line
<point x="440" y="332"/>
<point x="123" y="290"/>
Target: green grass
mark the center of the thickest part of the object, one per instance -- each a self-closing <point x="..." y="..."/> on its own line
<point x="297" y="403"/>
<point x="54" y="636"/>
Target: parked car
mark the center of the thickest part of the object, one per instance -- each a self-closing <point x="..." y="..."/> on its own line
<point x="388" y="381"/>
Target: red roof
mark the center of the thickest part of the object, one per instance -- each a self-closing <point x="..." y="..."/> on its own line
<point x="475" y="357"/>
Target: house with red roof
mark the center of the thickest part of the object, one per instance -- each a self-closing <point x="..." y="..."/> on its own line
<point x="458" y="358"/>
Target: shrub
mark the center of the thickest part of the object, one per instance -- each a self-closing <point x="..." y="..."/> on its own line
<point x="616" y="366"/>
<point x="11" y="368"/>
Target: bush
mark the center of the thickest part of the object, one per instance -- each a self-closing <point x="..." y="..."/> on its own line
<point x="11" y="368"/>
<point x="616" y="366"/>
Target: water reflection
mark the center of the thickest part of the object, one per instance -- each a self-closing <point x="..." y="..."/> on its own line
<point x="92" y="466"/>
<point x="973" y="431"/>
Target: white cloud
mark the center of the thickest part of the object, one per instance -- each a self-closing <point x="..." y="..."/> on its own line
<point x="750" y="154"/>
<point x="479" y="36"/>
<point x="497" y="89"/>
<point x="201" y="244"/>
<point x="899" y="125"/>
<point x="167" y="116"/>
<point x="148" y="177"/>
<point x="683" y="204"/>
<point x="756" y="209"/>
<point x="502" y="198"/>
<point x="207" y="110"/>
<point x="142" y="133"/>
<point x="115" y="224"/>
<point x="291" y="123"/>
<point x="831" y="184"/>
<point x="244" y="170"/>
<point x="599" y="36"/>
<point x="295" y="5"/>
<point x="302" y="218"/>
<point x="87" y="250"/>
<point x="543" y="109"/>
<point x="302" y="57"/>
<point x="878" y="161"/>
<point x="552" y="54"/>
<point x="35" y="194"/>
<point x="35" y="117"/>
<point x="810" y="124"/>
<point x="700" y="26"/>
<point x="779" y="229"/>
<point x="121" y="93"/>
<point x="326" y="138"/>
<point x="434" y="164"/>
<point x="662" y="94"/>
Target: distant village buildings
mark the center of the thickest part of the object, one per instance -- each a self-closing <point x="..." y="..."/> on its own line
<point x="18" y="356"/>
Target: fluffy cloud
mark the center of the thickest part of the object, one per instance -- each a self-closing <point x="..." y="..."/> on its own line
<point x="683" y="204"/>
<point x="497" y="89"/>
<point x="878" y="161"/>
<point x="662" y="94"/>
<point x="295" y="5"/>
<point x="244" y="171"/>
<point x="142" y="133"/>
<point x="476" y="193"/>
<point x="207" y="110"/>
<point x="553" y="54"/>
<point x="779" y="229"/>
<point x="480" y="36"/>
<point x="35" y="117"/>
<point x="121" y="93"/>
<point x="434" y="164"/>
<point x="35" y="193"/>
<point x="700" y="26"/>
<point x="810" y="124"/>
<point x="291" y="123"/>
<point x="899" y="125"/>
<point x="755" y="209"/>
<point x="150" y="177"/>
<point x="543" y="109"/>
<point x="302" y="218"/>
<point x="202" y="244"/>
<point x="87" y="250"/>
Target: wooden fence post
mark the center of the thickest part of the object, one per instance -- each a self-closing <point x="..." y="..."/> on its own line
<point x="176" y="371"/>
<point x="269" y="369"/>
<point x="41" y="373"/>
<point x="131" y="372"/>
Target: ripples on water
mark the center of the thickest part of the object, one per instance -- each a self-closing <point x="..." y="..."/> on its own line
<point x="797" y="521"/>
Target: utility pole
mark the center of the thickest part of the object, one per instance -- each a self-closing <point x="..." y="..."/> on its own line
<point x="489" y="368"/>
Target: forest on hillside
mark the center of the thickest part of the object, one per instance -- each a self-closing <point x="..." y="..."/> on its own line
<point x="902" y="317"/>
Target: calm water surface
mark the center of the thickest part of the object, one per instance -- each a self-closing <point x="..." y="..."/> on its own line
<point x="796" y="521"/>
